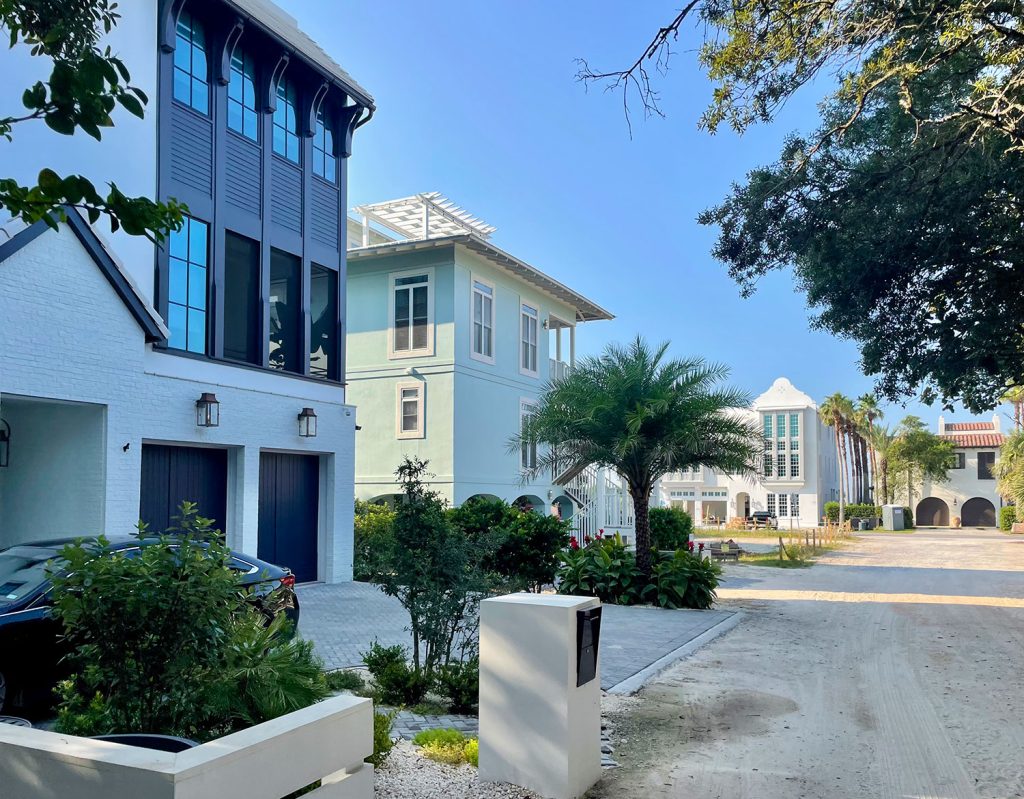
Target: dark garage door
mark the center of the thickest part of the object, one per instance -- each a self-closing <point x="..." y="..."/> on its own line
<point x="289" y="502"/>
<point x="173" y="474"/>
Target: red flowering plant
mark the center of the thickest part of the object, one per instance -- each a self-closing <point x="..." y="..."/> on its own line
<point x="573" y="542"/>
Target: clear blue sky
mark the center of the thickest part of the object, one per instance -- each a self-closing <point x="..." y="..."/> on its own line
<point x="478" y="101"/>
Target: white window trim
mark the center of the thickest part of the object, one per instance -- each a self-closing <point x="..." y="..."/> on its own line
<point x="421" y="428"/>
<point x="476" y="356"/>
<point x="532" y="402"/>
<point x="423" y="351"/>
<point x="519" y="334"/>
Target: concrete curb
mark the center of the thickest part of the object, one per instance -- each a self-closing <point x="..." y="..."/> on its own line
<point x="634" y="683"/>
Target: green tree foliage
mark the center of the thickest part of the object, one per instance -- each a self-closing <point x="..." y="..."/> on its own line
<point x="372" y="538"/>
<point x="1010" y="468"/>
<point x="1007" y="516"/>
<point x="919" y="454"/>
<point x="901" y="213"/>
<point x="164" y="641"/>
<point x="670" y="528"/>
<point x="85" y="86"/>
<point x="644" y="415"/>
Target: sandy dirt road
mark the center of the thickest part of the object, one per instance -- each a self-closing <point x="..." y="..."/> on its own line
<point x="893" y="668"/>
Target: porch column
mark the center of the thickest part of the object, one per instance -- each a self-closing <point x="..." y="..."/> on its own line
<point x="572" y="346"/>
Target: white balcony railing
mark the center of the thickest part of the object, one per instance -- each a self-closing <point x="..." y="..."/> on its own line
<point x="557" y="369"/>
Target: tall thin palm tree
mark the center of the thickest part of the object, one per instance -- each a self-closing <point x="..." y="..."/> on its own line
<point x="643" y="414"/>
<point x="1015" y="396"/>
<point x="883" y="443"/>
<point x="867" y="404"/>
<point x="831" y="412"/>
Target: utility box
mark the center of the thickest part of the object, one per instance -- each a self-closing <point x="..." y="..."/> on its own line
<point x="540" y="693"/>
<point x="892" y="517"/>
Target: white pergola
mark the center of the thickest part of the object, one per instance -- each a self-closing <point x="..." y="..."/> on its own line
<point x="422" y="216"/>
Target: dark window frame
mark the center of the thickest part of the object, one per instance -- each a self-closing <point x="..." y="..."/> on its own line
<point x="190" y="23"/>
<point x="253" y="307"/>
<point x="959" y="461"/>
<point x="291" y="359"/>
<point x="986" y="465"/>
<point x="189" y="266"/>
<point x="321" y="330"/>
<point x="243" y="75"/>
<point x="325" y="151"/>
<point x="286" y="120"/>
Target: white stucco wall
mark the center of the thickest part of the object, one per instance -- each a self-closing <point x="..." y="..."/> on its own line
<point x="66" y="336"/>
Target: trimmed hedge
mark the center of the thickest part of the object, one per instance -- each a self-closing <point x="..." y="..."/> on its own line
<point x="670" y="528"/>
<point x="853" y="510"/>
<point x="1007" y="516"/>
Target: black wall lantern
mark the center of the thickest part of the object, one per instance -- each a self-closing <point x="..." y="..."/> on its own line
<point x="207" y="410"/>
<point x="5" y="444"/>
<point x="307" y="423"/>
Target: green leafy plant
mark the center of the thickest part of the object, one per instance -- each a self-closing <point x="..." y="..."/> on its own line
<point x="1007" y="516"/>
<point x="396" y="682"/>
<point x="682" y="580"/>
<point x="670" y="528"/>
<point x="448" y="746"/>
<point x="459" y="683"/>
<point x="383" y="742"/>
<point x="373" y="533"/>
<point x="345" y="680"/>
<point x="855" y="510"/>
<point x="164" y="641"/>
<point x="472" y="752"/>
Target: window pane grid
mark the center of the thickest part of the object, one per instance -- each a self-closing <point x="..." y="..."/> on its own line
<point x="411" y="313"/>
<point x="242" y="116"/>
<point x="483" y="320"/>
<point x="324" y="162"/>
<point x="188" y="286"/>
<point x="286" y="129"/>
<point x="190" y="85"/>
<point x="529" y="339"/>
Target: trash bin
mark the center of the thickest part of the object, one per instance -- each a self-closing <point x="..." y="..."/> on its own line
<point x="863" y="525"/>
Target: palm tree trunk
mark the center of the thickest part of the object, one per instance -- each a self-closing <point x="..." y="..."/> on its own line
<point x="641" y="498"/>
<point x="884" y="477"/>
<point x="839" y="475"/>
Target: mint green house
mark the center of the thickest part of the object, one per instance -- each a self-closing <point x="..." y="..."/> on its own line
<point x="450" y="342"/>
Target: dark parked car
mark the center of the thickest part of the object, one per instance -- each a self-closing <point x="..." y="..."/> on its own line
<point x="31" y="652"/>
<point x="763" y="518"/>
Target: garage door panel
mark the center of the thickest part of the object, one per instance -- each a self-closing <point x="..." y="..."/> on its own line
<point x="171" y="475"/>
<point x="289" y="512"/>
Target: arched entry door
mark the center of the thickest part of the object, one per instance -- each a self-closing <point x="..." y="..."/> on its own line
<point x="932" y="512"/>
<point x="743" y="504"/>
<point x="978" y="512"/>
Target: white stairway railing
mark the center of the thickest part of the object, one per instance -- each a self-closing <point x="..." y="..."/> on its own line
<point x="602" y="503"/>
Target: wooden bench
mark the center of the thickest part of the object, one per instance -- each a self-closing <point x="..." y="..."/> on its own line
<point x="725" y="550"/>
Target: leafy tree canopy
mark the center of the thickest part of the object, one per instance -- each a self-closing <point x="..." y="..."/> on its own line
<point x="901" y="214"/>
<point x="85" y="86"/>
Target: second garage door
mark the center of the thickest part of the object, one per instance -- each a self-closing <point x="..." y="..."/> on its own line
<point x="289" y="512"/>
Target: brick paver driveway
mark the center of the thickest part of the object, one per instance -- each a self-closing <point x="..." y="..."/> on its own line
<point x="344" y="619"/>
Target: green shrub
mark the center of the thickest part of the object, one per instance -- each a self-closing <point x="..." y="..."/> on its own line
<point x="395" y="681"/>
<point x="853" y="510"/>
<point x="1007" y="516"/>
<point x="382" y="740"/>
<point x="670" y="528"/>
<point x="459" y="683"/>
<point x="448" y="746"/>
<point x="607" y="570"/>
<point x="682" y="580"/>
<point x="908" y="518"/>
<point x="472" y="752"/>
<point x="345" y="680"/>
<point x="372" y="537"/>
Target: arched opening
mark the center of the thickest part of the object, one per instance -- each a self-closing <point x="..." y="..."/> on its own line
<point x="932" y="512"/>
<point x="530" y="502"/>
<point x="563" y="507"/>
<point x="978" y="512"/>
<point x="488" y="497"/>
<point x="743" y="504"/>
<point x="387" y="500"/>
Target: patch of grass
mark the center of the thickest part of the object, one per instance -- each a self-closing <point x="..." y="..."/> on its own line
<point x="448" y="746"/>
<point x="794" y="556"/>
<point x="344" y="680"/>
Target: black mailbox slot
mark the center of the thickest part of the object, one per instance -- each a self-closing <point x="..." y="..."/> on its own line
<point x="588" y="637"/>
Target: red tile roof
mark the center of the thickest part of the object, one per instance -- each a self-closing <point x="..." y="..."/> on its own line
<point x="962" y="426"/>
<point x="981" y="440"/>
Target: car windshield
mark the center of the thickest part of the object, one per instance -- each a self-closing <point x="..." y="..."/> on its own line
<point x="22" y="571"/>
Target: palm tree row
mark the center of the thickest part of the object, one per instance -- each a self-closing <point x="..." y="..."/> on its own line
<point x="853" y="424"/>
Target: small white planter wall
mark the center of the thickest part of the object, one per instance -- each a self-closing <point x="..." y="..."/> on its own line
<point x="326" y="741"/>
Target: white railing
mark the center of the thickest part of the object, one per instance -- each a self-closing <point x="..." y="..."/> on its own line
<point x="557" y="369"/>
<point x="602" y="503"/>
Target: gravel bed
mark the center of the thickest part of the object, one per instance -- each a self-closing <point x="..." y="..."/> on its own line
<point x="408" y="775"/>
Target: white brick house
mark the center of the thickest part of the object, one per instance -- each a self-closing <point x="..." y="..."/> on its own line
<point x="105" y="347"/>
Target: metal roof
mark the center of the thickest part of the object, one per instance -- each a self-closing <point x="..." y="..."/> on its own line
<point x="276" y="22"/>
<point x="425" y="216"/>
<point x="586" y="310"/>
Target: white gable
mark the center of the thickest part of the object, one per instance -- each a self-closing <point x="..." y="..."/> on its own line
<point x="783" y="394"/>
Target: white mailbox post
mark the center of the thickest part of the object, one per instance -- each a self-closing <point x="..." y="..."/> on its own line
<point x="540" y="698"/>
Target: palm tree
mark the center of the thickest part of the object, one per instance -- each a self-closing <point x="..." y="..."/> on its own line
<point x="867" y="404"/>
<point x="644" y="415"/>
<point x="831" y="412"/>
<point x="1010" y="469"/>
<point x="1015" y="395"/>
<point x="883" y="445"/>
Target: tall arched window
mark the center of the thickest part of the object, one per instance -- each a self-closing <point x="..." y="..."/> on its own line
<point x="242" y="114"/>
<point x="324" y="163"/>
<point x="191" y="73"/>
<point x="286" y="122"/>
